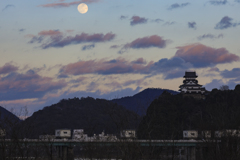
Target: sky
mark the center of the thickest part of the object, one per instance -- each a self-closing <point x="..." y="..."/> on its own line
<point x="50" y="51"/>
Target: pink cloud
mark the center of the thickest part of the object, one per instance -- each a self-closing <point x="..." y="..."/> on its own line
<point x="202" y="56"/>
<point x="123" y="66"/>
<point x="147" y="42"/>
<point x="140" y="61"/>
<point x="49" y="33"/>
<point x="8" y="68"/>
<point x="62" y="4"/>
<point x="115" y="66"/>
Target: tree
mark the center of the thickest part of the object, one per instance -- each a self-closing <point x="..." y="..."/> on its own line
<point x="224" y="87"/>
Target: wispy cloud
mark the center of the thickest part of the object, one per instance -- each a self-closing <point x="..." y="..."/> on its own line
<point x="115" y="46"/>
<point x="176" y="5"/>
<point x="226" y="22"/>
<point x="63" y="4"/>
<point x="140" y="61"/>
<point x="192" y="25"/>
<point x="123" y="17"/>
<point x="209" y="36"/>
<point x="138" y="20"/>
<point x="87" y="47"/>
<point x="214" y="69"/>
<point x="215" y="2"/>
<point x="8" y="6"/>
<point x="105" y="67"/>
<point x="169" y="23"/>
<point x="50" y="33"/>
<point x="21" y="30"/>
<point x="158" y="20"/>
<point x="56" y="39"/>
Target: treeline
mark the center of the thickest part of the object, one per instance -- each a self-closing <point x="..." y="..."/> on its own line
<point x="169" y="115"/>
<point x="92" y="115"/>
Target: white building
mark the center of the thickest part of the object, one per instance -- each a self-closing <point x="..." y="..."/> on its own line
<point x="78" y="134"/>
<point x="63" y="133"/>
<point x="190" y="134"/>
<point x="103" y="137"/>
<point x="128" y="134"/>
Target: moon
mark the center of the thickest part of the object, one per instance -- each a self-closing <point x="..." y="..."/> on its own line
<point x="82" y="8"/>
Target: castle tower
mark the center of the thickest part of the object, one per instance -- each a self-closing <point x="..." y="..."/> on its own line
<point x="190" y="86"/>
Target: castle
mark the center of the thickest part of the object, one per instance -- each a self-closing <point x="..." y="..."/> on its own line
<point x="190" y="86"/>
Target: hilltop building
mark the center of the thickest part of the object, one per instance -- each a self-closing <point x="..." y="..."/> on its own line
<point x="190" y="86"/>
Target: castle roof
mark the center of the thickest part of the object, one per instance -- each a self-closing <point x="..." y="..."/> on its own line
<point x="190" y="85"/>
<point x="190" y="75"/>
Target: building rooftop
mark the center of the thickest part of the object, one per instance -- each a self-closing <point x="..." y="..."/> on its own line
<point x="190" y="75"/>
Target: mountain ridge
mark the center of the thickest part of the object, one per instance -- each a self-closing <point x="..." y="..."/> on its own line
<point x="140" y="101"/>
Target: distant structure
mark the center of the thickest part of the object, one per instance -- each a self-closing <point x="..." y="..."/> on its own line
<point x="191" y="87"/>
<point x="190" y="134"/>
<point x="128" y="134"/>
<point x="78" y="134"/>
<point x="63" y="133"/>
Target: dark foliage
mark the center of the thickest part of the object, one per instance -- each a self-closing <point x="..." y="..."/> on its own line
<point x="140" y="101"/>
<point x="169" y="115"/>
<point x="92" y="115"/>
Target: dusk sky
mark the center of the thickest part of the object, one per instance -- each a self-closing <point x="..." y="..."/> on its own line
<point x="50" y="51"/>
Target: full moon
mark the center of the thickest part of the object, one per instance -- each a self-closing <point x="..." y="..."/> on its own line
<point x="82" y="8"/>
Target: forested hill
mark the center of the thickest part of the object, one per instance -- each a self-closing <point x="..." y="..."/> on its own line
<point x="92" y="115"/>
<point x="5" y="115"/>
<point x="169" y="115"/>
<point x="140" y="101"/>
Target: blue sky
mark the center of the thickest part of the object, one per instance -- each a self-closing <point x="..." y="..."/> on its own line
<point x="50" y="51"/>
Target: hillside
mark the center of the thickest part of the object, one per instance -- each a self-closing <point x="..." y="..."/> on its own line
<point x="5" y="115"/>
<point x="141" y="101"/>
<point x="92" y="115"/>
<point x="169" y="115"/>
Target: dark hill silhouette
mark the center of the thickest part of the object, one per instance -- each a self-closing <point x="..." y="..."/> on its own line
<point x="6" y="115"/>
<point x="169" y="115"/>
<point x="141" y="101"/>
<point x="92" y="115"/>
<point x="8" y="121"/>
